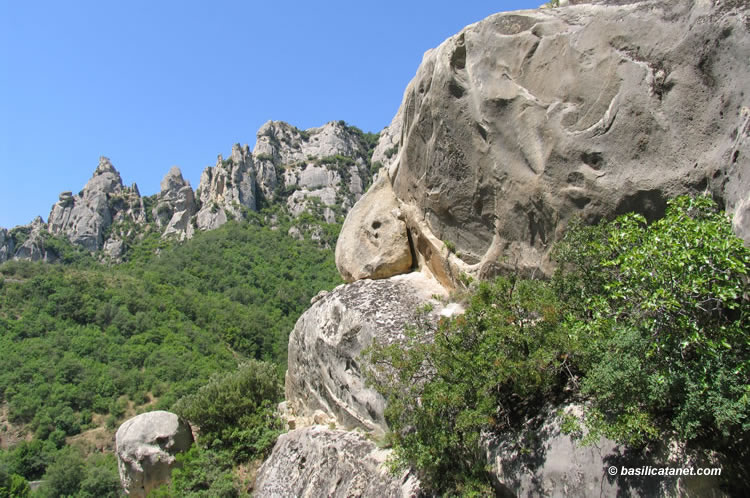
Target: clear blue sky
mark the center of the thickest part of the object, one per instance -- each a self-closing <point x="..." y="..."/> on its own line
<point x="152" y="84"/>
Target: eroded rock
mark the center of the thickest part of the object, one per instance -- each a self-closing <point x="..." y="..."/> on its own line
<point x="317" y="461"/>
<point x="528" y="119"/>
<point x="374" y="242"/>
<point x="325" y="370"/>
<point x="146" y="446"/>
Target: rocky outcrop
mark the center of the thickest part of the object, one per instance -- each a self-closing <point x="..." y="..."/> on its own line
<point x="33" y="247"/>
<point x="386" y="151"/>
<point x="146" y="446"/>
<point x="175" y="206"/>
<point x="539" y="459"/>
<point x="326" y="165"/>
<point x="317" y="461"/>
<point x="85" y="218"/>
<point x="226" y="188"/>
<point x="526" y="120"/>
<point x="7" y="246"/>
<point x="375" y="243"/>
<point x="325" y="370"/>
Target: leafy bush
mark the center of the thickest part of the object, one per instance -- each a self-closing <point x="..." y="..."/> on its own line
<point x="506" y="350"/>
<point x="650" y="322"/>
<point x="236" y="410"/>
<point x="665" y="312"/>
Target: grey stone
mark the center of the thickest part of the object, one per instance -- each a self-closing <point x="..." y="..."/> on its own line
<point x="84" y="218"/>
<point x="175" y="206"/>
<point x="146" y="446"/>
<point x="325" y="370"/>
<point x="226" y="188"/>
<point x="317" y="461"/>
<point x="7" y="246"/>
<point x="539" y="459"/>
<point x="373" y="242"/>
<point x="526" y="120"/>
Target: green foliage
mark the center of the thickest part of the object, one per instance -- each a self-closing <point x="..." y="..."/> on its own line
<point x="503" y="352"/>
<point x="450" y="246"/>
<point x="85" y="338"/>
<point x="64" y="475"/>
<point x="201" y="473"/>
<point x="665" y="312"/>
<point x="12" y="485"/>
<point x="649" y="322"/>
<point x="235" y="410"/>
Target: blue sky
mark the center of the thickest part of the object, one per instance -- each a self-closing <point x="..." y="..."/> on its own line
<point x="152" y="84"/>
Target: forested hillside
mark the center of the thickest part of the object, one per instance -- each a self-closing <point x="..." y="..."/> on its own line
<point x="86" y="344"/>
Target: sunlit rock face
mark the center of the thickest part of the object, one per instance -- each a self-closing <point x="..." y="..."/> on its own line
<point x="526" y="120"/>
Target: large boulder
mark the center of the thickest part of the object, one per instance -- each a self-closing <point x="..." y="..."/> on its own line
<point x="175" y="206"/>
<point x="374" y="242"/>
<point x="146" y="446"/>
<point x="325" y="368"/>
<point x="528" y="119"/>
<point x="317" y="461"/>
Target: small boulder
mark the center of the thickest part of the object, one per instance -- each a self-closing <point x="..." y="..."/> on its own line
<point x="146" y="446"/>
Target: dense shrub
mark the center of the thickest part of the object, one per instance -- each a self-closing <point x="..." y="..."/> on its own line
<point x="235" y="410"/>
<point x="650" y="323"/>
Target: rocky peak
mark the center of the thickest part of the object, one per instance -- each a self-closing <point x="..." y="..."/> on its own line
<point x="175" y="206"/>
<point x="226" y="188"/>
<point x="84" y="218"/>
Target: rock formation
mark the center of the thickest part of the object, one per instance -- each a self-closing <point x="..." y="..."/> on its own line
<point x="324" y="363"/>
<point x="328" y="164"/>
<point x="7" y="246"/>
<point x="526" y="120"/>
<point x="378" y="246"/>
<point x="175" y="206"/>
<point x="509" y="130"/>
<point x="146" y="446"/>
<point x="316" y="461"/>
<point x="84" y="218"/>
<point x="324" y="170"/>
<point x="226" y="188"/>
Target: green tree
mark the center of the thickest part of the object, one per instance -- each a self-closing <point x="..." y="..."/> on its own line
<point x="665" y="314"/>
<point x="235" y="411"/>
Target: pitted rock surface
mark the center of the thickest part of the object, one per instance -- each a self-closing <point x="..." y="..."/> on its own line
<point x="528" y="119"/>
<point x="316" y="461"/>
<point x="325" y="367"/>
<point x="374" y="242"/>
<point x="146" y="446"/>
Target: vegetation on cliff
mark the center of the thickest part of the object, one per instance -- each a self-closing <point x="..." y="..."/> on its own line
<point x="648" y="324"/>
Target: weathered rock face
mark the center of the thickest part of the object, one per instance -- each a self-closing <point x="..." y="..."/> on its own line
<point x="540" y="460"/>
<point x="316" y="461"/>
<point x="528" y="119"/>
<point x="7" y="246"/>
<point x="146" y="446"/>
<point x="84" y="218"/>
<point x="386" y="151"/>
<point x="225" y="188"/>
<point x="175" y="205"/>
<point x="377" y="246"/>
<point x="33" y="247"/>
<point x="327" y="164"/>
<point x="324" y="366"/>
